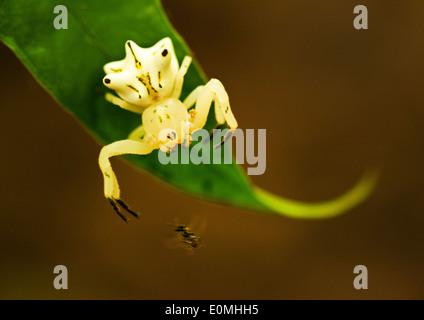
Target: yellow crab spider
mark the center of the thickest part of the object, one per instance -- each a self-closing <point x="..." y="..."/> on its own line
<point x="149" y="82"/>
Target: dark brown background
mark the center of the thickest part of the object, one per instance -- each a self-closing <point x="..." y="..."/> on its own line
<point x="334" y="100"/>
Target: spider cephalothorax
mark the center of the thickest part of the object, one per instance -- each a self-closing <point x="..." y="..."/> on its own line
<point x="145" y="75"/>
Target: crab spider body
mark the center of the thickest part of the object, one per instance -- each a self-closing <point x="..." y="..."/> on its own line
<point x="149" y="81"/>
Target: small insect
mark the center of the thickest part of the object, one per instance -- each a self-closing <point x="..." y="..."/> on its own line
<point x="149" y="82"/>
<point x="188" y="238"/>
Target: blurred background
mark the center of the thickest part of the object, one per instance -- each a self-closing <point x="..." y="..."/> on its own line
<point x="334" y="101"/>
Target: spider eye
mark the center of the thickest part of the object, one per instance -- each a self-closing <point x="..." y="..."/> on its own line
<point x="107" y="80"/>
<point x="164" y="53"/>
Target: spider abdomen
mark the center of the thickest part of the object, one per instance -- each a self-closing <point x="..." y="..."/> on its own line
<point x="170" y="115"/>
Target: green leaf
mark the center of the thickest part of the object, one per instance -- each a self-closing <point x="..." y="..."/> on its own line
<point x="69" y="65"/>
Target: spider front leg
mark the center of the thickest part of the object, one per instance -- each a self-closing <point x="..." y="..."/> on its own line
<point x="123" y="104"/>
<point x="203" y="96"/>
<point x="179" y="79"/>
<point x="111" y="186"/>
<point x="137" y="133"/>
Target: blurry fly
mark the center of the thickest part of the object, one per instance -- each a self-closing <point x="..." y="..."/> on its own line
<point x="187" y="238"/>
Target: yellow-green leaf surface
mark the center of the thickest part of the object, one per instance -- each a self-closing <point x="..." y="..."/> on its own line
<point x="69" y="65"/>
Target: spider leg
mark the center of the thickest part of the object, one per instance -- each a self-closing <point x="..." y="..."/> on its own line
<point x="116" y="208"/>
<point x="137" y="134"/>
<point x="180" y="77"/>
<point x="126" y="208"/>
<point x="227" y="136"/>
<point x="111" y="186"/>
<point x="123" y="104"/>
<point x="213" y="91"/>
<point x="223" y="111"/>
<point x="190" y="100"/>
